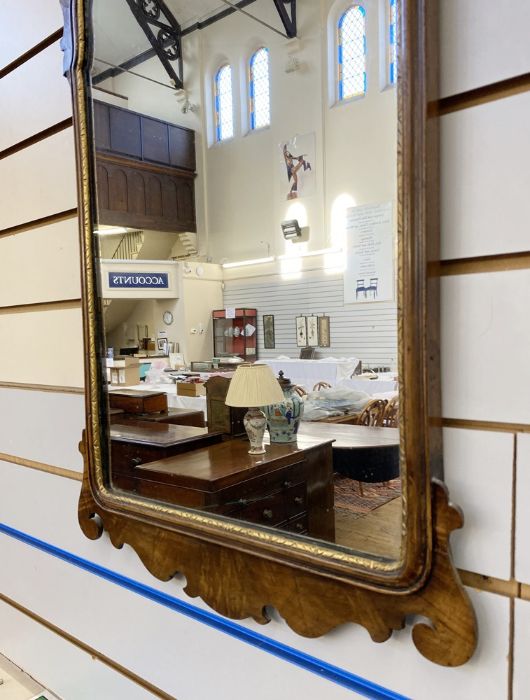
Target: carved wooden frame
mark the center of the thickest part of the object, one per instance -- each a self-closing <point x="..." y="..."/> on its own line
<point x="239" y="569"/>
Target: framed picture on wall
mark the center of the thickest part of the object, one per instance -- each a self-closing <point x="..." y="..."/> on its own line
<point x="162" y="345"/>
<point x="312" y="331"/>
<point x="301" y="332"/>
<point x="324" y="339"/>
<point x="269" y="341"/>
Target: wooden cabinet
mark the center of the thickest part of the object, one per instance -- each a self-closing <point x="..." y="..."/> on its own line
<point x="290" y="487"/>
<point x="145" y="171"/>
<point x="236" y="336"/>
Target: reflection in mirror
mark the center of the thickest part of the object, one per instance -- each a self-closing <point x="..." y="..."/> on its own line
<point x="247" y="214"/>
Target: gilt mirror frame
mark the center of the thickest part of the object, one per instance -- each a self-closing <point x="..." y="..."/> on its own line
<point x="239" y="569"/>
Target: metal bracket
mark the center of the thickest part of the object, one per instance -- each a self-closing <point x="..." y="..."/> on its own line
<point x="164" y="34"/>
<point x="287" y="11"/>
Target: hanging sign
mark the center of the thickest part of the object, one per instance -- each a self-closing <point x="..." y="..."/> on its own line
<point x="137" y="280"/>
<point x="369" y="275"/>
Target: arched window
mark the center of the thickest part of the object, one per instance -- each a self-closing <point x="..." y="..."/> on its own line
<point x="224" y="108"/>
<point x="260" y="104"/>
<point x="392" y="43"/>
<point x="352" y="52"/>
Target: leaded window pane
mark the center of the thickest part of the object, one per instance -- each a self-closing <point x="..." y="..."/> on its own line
<point x="392" y="44"/>
<point x="260" y="106"/>
<point x="352" y="53"/>
<point x="224" y="108"/>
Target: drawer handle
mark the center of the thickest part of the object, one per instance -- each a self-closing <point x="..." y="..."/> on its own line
<point x="267" y="514"/>
<point x="135" y="461"/>
<point x="299" y="500"/>
<point x="287" y="484"/>
<point x="299" y="526"/>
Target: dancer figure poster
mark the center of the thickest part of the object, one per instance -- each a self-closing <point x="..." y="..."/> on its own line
<point x="298" y="164"/>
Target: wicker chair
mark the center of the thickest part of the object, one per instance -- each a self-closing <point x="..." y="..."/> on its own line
<point x="373" y="413"/>
<point x="391" y="416"/>
<point x="300" y="390"/>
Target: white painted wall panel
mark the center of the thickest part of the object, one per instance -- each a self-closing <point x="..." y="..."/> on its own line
<point x="482" y="42"/>
<point x="54" y="420"/>
<point x="485" y="179"/>
<point x="98" y="612"/>
<point x="40" y="265"/>
<point x="23" y="30"/>
<point x="521" y="651"/>
<point x="39" y="180"/>
<point x="485" y="342"/>
<point x="38" y="82"/>
<point x="72" y="673"/>
<point x="42" y="347"/>
<point x="478" y="472"/>
<point x="365" y="331"/>
<point x="522" y="526"/>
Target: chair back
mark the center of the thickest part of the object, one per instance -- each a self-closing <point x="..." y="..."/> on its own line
<point x="391" y="416"/>
<point x="321" y="385"/>
<point x="373" y="413"/>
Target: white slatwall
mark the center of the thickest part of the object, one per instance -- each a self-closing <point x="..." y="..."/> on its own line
<point x="367" y="331"/>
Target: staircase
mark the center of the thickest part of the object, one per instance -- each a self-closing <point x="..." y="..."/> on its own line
<point x="128" y="249"/>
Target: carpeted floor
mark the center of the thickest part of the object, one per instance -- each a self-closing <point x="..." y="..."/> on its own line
<point x="348" y="497"/>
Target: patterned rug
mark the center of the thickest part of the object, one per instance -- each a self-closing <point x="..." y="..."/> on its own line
<point x="348" y="496"/>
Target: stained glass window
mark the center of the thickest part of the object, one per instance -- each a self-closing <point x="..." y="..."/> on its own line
<point x="392" y="43"/>
<point x="352" y="52"/>
<point x="260" y="106"/>
<point x="224" y="108"/>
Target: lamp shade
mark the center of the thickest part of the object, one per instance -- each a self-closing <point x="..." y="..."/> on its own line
<point x="253" y="385"/>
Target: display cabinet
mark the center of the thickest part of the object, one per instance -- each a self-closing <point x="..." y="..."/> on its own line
<point x="235" y="333"/>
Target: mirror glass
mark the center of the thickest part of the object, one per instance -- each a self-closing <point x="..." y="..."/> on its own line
<point x="247" y="215"/>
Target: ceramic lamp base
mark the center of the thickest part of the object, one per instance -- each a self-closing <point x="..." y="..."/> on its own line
<point x="255" y="423"/>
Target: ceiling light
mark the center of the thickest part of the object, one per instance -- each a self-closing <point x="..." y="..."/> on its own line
<point x="111" y="231"/>
<point x="241" y="263"/>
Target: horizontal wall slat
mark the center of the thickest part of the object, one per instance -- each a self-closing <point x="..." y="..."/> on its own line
<point x="42" y="347"/>
<point x="34" y="97"/>
<point x="41" y="19"/>
<point x="40" y="265"/>
<point x="367" y="331"/>
<point x="38" y="181"/>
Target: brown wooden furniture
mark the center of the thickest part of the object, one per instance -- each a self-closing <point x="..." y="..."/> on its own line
<point x="366" y="454"/>
<point x="174" y="416"/>
<point x="220" y="417"/>
<point x="133" y="401"/>
<point x="145" y="171"/>
<point x="290" y="487"/>
<point x="239" y="569"/>
<point x="373" y="413"/>
<point x="237" y="336"/>
<point x="321" y="385"/>
<point x="138" y="442"/>
<point x="391" y="415"/>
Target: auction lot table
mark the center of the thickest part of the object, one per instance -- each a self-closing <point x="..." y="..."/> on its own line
<point x="307" y="373"/>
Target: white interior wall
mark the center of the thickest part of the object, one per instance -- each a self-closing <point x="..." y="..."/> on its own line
<point x="84" y="636"/>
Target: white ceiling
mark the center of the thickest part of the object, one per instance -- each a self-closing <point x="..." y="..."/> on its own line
<point x="118" y="37"/>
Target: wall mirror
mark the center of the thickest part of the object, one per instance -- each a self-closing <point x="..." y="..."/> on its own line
<point x="258" y="187"/>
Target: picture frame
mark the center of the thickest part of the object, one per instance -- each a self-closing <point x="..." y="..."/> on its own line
<point x="301" y="332"/>
<point x="269" y="339"/>
<point x="312" y="331"/>
<point x="162" y="345"/>
<point x="324" y="338"/>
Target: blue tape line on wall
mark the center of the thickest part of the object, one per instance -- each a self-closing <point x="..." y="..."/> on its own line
<point x="337" y="675"/>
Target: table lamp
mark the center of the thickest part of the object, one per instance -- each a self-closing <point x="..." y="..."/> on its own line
<point x="250" y="387"/>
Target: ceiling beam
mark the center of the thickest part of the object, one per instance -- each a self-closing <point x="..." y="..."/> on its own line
<point x="287" y="11"/>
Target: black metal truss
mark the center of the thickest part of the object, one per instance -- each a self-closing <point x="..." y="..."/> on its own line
<point x="287" y="11"/>
<point x="164" y="34"/>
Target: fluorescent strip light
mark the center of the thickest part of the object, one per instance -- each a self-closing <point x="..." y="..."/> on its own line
<point x="311" y="253"/>
<point x="110" y="231"/>
<point x="256" y="261"/>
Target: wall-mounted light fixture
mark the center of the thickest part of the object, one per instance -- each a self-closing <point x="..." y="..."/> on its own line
<point x="291" y="229"/>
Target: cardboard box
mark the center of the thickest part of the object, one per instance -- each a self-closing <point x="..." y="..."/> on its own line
<point x="191" y="389"/>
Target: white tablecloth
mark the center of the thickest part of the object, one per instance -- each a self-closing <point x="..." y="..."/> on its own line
<point x="307" y="373"/>
<point x="372" y="386"/>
